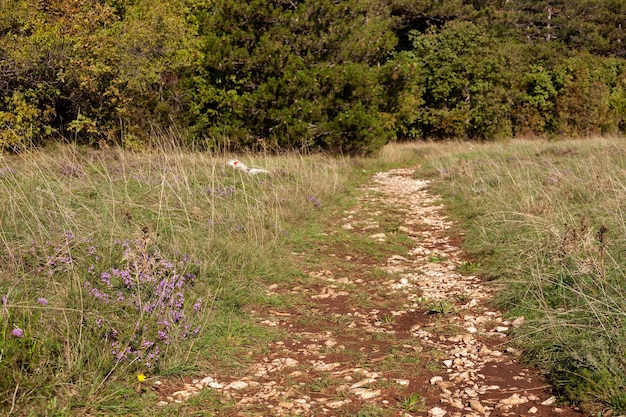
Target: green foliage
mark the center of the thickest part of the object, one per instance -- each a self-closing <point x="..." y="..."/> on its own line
<point x="92" y="71"/>
<point x="465" y="91"/>
<point x="293" y="75"/>
<point x="342" y="77"/>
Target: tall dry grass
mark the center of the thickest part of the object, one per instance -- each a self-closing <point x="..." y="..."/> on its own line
<point x="548" y="221"/>
<point x="115" y="263"/>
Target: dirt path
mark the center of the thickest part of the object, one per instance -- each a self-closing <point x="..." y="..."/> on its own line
<point x="400" y="336"/>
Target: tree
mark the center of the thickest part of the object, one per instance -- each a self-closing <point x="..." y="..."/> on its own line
<point x="465" y="84"/>
<point x="296" y="74"/>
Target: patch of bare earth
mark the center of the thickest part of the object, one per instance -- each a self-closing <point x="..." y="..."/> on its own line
<point x="405" y="336"/>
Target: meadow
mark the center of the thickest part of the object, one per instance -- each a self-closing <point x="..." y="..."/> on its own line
<point x="117" y="265"/>
<point x="546" y="221"/>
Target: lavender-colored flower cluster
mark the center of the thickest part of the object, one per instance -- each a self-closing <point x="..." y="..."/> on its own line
<point x="6" y="172"/>
<point x="222" y="191"/>
<point x="71" y="169"/>
<point x="314" y="200"/>
<point x="151" y="288"/>
<point x="58" y="256"/>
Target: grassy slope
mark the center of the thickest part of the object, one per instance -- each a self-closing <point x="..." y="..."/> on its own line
<point x="548" y="220"/>
<point x="532" y="212"/>
<point x="115" y="264"/>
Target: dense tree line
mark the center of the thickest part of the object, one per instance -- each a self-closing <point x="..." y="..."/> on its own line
<point x="338" y="75"/>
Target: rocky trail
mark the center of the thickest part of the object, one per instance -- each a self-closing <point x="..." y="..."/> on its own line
<point x="404" y="334"/>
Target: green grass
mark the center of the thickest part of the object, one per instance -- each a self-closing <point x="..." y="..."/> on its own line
<point x="115" y="263"/>
<point x="548" y="221"/>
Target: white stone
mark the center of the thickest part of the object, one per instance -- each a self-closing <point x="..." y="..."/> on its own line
<point x="518" y="321"/>
<point x="237" y="385"/>
<point x="378" y="236"/>
<point x="362" y="383"/>
<point x="457" y="404"/>
<point x="435" y="379"/>
<point x="514" y="399"/>
<point x="532" y="410"/>
<point x="337" y="404"/>
<point x="437" y="412"/>
<point x="477" y="406"/>
<point x="549" y="401"/>
<point x="369" y="394"/>
<point x="162" y="403"/>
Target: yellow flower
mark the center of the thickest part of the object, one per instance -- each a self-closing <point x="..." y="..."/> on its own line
<point x="141" y="377"/>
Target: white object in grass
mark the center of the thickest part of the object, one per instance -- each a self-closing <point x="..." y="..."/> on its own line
<point x="237" y="164"/>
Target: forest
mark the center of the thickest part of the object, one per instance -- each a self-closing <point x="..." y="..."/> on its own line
<point x="341" y="76"/>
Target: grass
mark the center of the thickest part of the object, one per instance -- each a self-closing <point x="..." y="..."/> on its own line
<point x="547" y="220"/>
<point x="115" y="263"/>
<point x="412" y="403"/>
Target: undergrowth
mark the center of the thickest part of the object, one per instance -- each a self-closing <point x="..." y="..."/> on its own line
<point x="548" y="221"/>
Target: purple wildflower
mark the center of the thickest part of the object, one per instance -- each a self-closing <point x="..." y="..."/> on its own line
<point x="17" y="332"/>
<point x="42" y="301"/>
<point x="106" y="278"/>
<point x="5" y="172"/>
<point x="69" y="236"/>
<point x="314" y="200"/>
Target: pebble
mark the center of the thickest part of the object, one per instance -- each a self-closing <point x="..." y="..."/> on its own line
<point x="437" y="412"/>
<point x="477" y="406"/>
<point x="237" y="385"/>
<point x="435" y="379"/>
<point x="379" y="236"/>
<point x="514" y="399"/>
<point x="518" y="321"/>
<point x="369" y="394"/>
<point x="207" y="380"/>
<point x="549" y="401"/>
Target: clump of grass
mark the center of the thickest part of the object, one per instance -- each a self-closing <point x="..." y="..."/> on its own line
<point x="443" y="307"/>
<point x="115" y="264"/>
<point x="412" y="403"/>
<point x="548" y="221"/>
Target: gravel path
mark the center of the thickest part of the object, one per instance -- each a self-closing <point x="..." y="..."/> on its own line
<point x="403" y="336"/>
